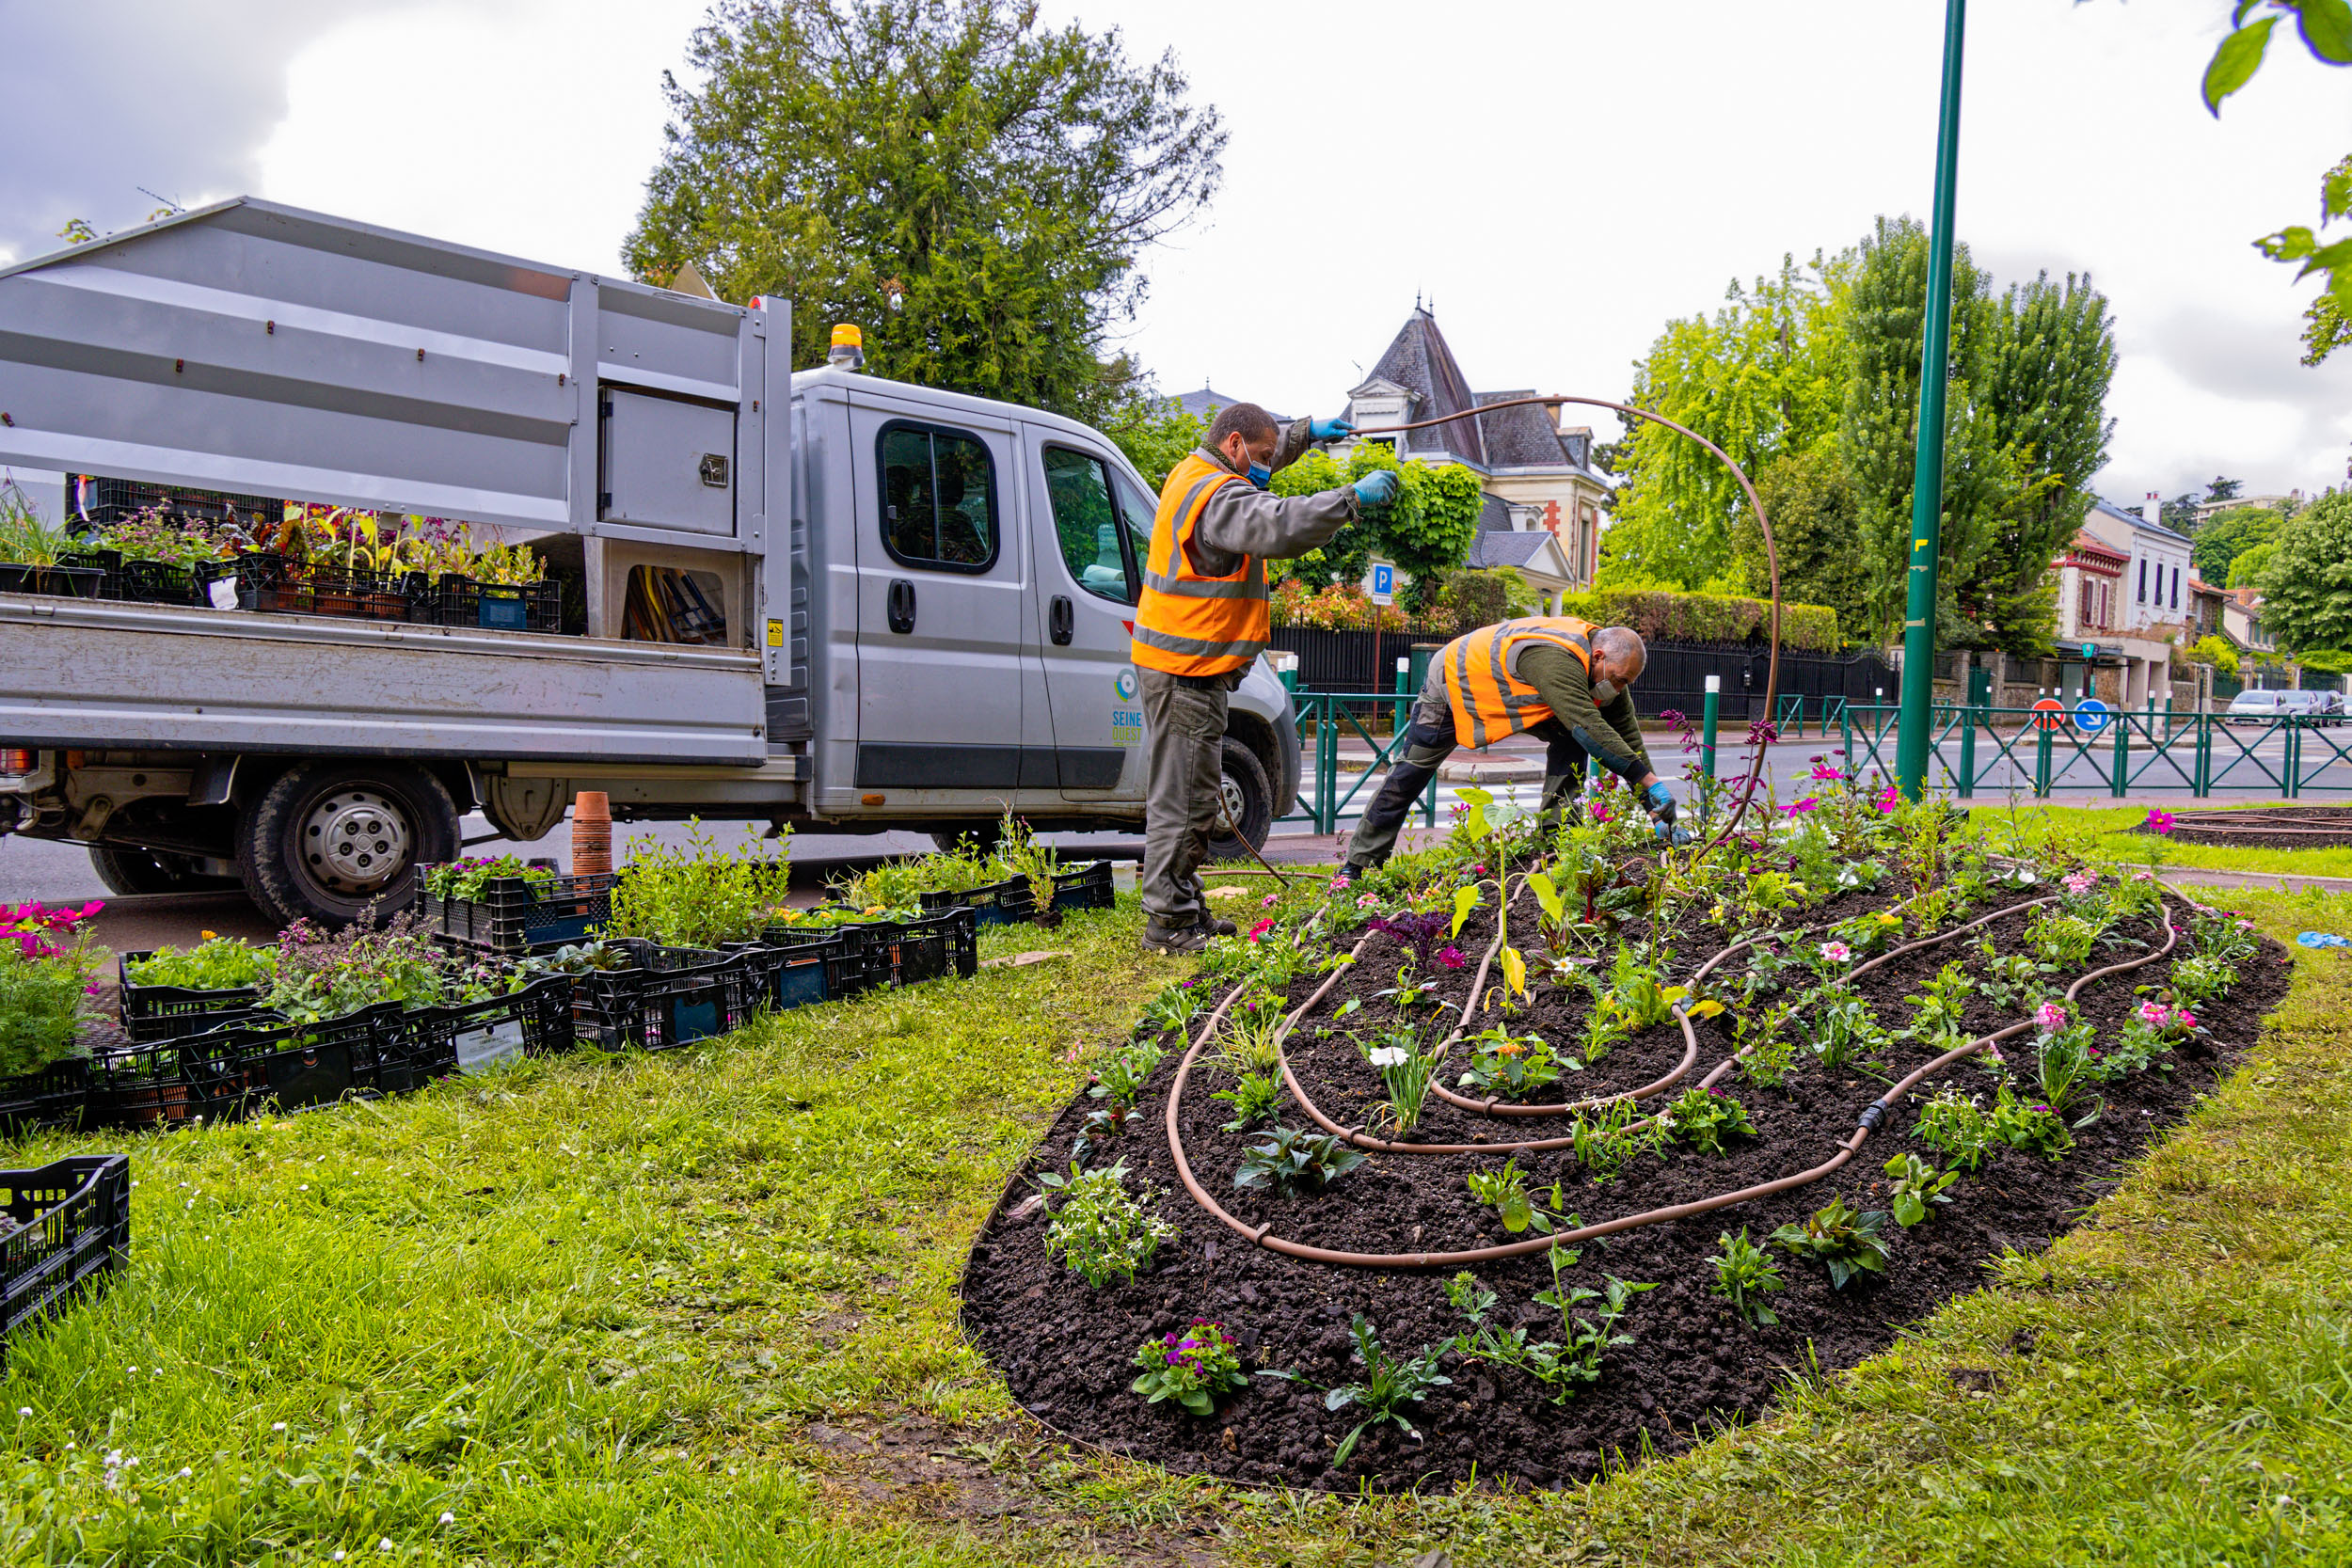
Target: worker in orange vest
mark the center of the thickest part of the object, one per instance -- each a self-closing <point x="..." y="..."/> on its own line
<point x="1203" y="617"/>
<point x="1566" y="680"/>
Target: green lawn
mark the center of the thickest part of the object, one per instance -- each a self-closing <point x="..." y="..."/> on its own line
<point x="2109" y="836"/>
<point x="698" y="1309"/>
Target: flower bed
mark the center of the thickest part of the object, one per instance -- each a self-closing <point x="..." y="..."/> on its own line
<point x="1679" y="1125"/>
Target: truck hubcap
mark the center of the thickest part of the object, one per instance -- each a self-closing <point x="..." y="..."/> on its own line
<point x="1235" y="803"/>
<point x="354" y="840"/>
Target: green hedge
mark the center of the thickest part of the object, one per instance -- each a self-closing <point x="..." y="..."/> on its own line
<point x="1661" y="615"/>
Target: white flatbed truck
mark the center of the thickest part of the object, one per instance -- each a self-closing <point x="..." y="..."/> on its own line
<point x="919" y="600"/>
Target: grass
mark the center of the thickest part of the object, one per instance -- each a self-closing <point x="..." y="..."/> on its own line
<point x="698" y="1309"/>
<point x="2107" y="831"/>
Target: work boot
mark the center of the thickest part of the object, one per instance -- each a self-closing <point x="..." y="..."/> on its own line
<point x="1178" y="941"/>
<point x="1224" y="927"/>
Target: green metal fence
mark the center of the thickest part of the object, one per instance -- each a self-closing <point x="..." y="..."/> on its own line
<point x="1999" y="751"/>
<point x="1326" y="719"/>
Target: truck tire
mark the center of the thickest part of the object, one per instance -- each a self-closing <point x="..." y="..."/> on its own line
<point x="129" y="870"/>
<point x="1248" y="803"/>
<point x="329" y="840"/>
<point x="986" y="832"/>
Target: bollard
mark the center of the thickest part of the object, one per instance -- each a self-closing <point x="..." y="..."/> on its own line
<point x="1708" y="713"/>
<point x="1404" y="674"/>
<point x="591" y="832"/>
<point x="1967" y="753"/>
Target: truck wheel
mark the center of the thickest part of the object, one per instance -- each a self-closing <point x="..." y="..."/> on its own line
<point x="985" y="833"/>
<point x="128" y="870"/>
<point x="329" y="840"/>
<point x="1248" y="803"/>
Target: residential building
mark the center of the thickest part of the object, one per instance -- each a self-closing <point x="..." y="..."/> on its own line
<point x="1204" y="405"/>
<point x="2242" y="621"/>
<point x="2207" y="508"/>
<point x="1544" y="502"/>
<point x="2090" y="579"/>
<point x="2122" y="603"/>
<point x="2205" y="609"/>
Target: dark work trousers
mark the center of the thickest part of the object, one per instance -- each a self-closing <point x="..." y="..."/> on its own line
<point x="1184" y="736"/>
<point x="1428" y="741"/>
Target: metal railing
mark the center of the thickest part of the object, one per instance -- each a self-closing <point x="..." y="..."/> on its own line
<point x="1999" y="751"/>
<point x="1325" y="720"/>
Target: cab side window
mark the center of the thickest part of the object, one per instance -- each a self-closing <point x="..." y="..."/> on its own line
<point x="1089" y="522"/>
<point x="938" y="498"/>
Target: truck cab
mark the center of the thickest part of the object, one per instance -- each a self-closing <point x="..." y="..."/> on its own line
<point x="817" y="598"/>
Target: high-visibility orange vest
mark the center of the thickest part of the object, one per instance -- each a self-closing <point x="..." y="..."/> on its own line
<point x="1188" y="623"/>
<point x="1488" y="701"/>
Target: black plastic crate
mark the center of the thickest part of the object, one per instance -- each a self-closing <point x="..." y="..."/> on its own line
<point x="225" y="1074"/>
<point x="865" y="946"/>
<point x="70" y="582"/>
<point x="432" y="1042"/>
<point x="57" y="1096"/>
<point x="929" y="949"/>
<point x="173" y="1012"/>
<point x="1010" y="903"/>
<point x="670" y="996"/>
<point x="97" y="500"/>
<point x="500" y="606"/>
<point x="802" y="972"/>
<point x="514" y="914"/>
<point x="160" y="583"/>
<point x="73" y="1222"/>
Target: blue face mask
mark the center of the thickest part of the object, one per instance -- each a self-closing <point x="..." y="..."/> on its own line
<point x="1260" y="475"/>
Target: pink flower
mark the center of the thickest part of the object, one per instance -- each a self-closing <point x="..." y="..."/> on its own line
<point x="2050" y="1018"/>
<point x="2082" y="881"/>
<point x="1837" y="952"/>
<point x="1805" y="806"/>
<point x="1340" y="883"/>
<point x="1270" y="900"/>
<point x="2184" y="1019"/>
<point x="1257" y="933"/>
<point x="1370" y="900"/>
<point x="2143" y="876"/>
<point x="2154" y="1014"/>
<point x="2159" y="820"/>
<point x="1994" y="1052"/>
<point x="1887" y="800"/>
<point x="1451" y="956"/>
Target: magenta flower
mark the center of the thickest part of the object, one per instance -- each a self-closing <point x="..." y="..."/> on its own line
<point x="1887" y="800"/>
<point x="1825" y="771"/>
<point x="1340" y="883"/>
<point x="1807" y="805"/>
<point x="1257" y="933"/>
<point x="1837" y="952"/>
<point x="1451" y="956"/>
<point x="2159" y="820"/>
<point x="2050" y="1018"/>
<point x="1270" y="900"/>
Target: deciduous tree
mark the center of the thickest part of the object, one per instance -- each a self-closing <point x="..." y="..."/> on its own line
<point x="1004" y="176"/>
<point x="2307" y="585"/>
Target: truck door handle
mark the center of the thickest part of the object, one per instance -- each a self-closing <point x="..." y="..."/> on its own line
<point x="1063" y="621"/>
<point x="901" y="606"/>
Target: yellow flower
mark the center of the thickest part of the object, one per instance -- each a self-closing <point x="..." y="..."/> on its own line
<point x="1887" y="918"/>
<point x="209" y="935"/>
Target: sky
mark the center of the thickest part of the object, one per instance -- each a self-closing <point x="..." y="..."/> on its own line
<point x="1556" y="179"/>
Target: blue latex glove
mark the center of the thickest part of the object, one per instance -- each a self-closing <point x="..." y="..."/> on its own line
<point x="1377" y="489"/>
<point x="1669" y="834"/>
<point x="1661" y="802"/>
<point x="1330" y="430"/>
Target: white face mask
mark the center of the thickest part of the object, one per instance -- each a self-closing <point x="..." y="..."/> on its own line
<point x="1605" y="692"/>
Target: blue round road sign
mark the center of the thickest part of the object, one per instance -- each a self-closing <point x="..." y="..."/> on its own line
<point x="2092" y="714"/>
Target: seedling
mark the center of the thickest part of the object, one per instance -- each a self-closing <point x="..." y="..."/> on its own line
<point x="1388" y="1383"/>
<point x="1766" y="1053"/>
<point x="1957" y="1128"/>
<point x="1121" y="1078"/>
<point x="1405" y="1070"/>
<point x="1938" y="1009"/>
<point x="1511" y="1066"/>
<point x="1294" y="1163"/>
<point x="1254" y="1097"/>
<point x="1839" y="1236"/>
<point x="1844" y="1028"/>
<point x="1704" y="1117"/>
<point x="1743" y="1272"/>
<point x="1563" y="1365"/>
<point x="1194" y="1366"/>
<point x="1505" y="1192"/>
<point x="1917" y="1185"/>
<point x="1102" y="1230"/>
<point x="1604" y="1143"/>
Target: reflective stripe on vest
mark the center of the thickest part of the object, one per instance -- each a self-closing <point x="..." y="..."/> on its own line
<point x="1188" y="623"/>
<point x="1488" y="701"/>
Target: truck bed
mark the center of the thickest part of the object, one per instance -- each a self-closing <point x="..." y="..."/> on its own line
<point x="96" y="674"/>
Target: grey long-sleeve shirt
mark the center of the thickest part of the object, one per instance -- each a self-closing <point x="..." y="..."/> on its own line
<point x="1611" y="736"/>
<point x="1241" y="519"/>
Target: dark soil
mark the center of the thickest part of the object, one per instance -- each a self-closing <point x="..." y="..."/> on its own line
<point x="1067" y="1351"/>
<point x="2269" y="828"/>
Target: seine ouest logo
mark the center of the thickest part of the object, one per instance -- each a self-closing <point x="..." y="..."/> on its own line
<point x="1124" y="684"/>
<point x="1127" y="719"/>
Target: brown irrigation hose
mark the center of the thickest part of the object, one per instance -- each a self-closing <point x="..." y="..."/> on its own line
<point x="1871" y="1117"/>
<point x="1772" y="552"/>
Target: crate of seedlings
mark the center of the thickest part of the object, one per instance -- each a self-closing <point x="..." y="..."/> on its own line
<point x="1013" y="901"/>
<point x="222" y="1075"/>
<point x="169" y="994"/>
<point x="534" y="1019"/>
<point x="499" y="606"/>
<point x="667" y="997"/>
<point x="796" y="973"/>
<point x="504" y="905"/>
<point x="927" y="947"/>
<point x="68" y="1228"/>
<point x="860" y="937"/>
<point x="53" y="1096"/>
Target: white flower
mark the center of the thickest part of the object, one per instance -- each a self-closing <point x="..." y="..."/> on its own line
<point x="278" y="1426"/>
<point x="449" y="1518"/>
<point x="1389" y="1056"/>
<point x="384" y="1545"/>
<point x="24" y="1410"/>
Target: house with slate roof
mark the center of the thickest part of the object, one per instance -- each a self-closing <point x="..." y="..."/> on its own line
<point x="1544" y="502"/>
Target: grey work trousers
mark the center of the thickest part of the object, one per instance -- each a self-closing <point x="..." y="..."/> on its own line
<point x="1183" y="733"/>
<point x="1429" y="739"/>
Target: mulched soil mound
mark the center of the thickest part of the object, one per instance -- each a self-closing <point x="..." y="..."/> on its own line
<point x="1067" y="1351"/>
<point x="2269" y="828"/>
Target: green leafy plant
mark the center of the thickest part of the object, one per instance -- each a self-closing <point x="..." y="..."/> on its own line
<point x="2197" y="981"/>
<point x="1505" y="1192"/>
<point x="701" y="896"/>
<point x="1837" y="1236"/>
<point x="1021" y="854"/>
<point x="1388" y="1382"/>
<point x="216" y="963"/>
<point x="2062" y="1062"/>
<point x="1173" y="1009"/>
<point x="1565" y="1365"/>
<point x="1743" y="1272"/>
<point x="1512" y="1066"/>
<point x="2009" y="978"/>
<point x="1954" y="1126"/>
<point x="1915" y="1185"/>
<point x="46" y="962"/>
<point x="315" y="977"/>
<point x="160" y="537"/>
<point x="470" y="878"/>
<point x="1251" y="1035"/>
<point x="26" y="538"/>
<point x="2061" y="941"/>
<point x="1405" y="1070"/>
<point x="1194" y="1366"/>
<point x="1606" y="1140"/>
<point x="1255" y="1096"/>
<point x="2037" y="1129"/>
<point x="1101" y="1231"/>
<point x="1844" y="1028"/>
<point x="1704" y="1117"/>
<point x="1294" y="1163"/>
<point x="1938" y="1007"/>
<point x="1767" y="1055"/>
<point x="1121" y="1077"/>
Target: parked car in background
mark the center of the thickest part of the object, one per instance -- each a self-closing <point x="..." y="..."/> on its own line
<point x="2255" y="708"/>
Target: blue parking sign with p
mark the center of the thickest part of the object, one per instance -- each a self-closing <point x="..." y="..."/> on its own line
<point x="1383" y="582"/>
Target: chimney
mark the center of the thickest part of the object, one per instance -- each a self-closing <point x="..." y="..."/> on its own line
<point x="2151" y="510"/>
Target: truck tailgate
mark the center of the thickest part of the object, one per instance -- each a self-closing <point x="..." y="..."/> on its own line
<point x="101" y="674"/>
